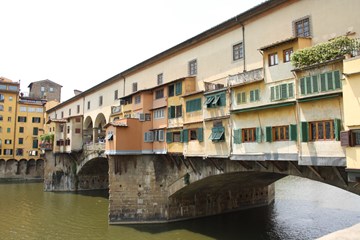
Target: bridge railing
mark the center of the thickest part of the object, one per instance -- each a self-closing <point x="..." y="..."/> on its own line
<point x="94" y="147"/>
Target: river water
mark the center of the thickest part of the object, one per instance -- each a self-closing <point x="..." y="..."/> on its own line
<point x="303" y="209"/>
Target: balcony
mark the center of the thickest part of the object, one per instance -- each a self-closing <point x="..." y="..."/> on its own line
<point x="246" y="77"/>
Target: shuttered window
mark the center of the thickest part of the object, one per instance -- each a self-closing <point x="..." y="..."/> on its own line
<point x="178" y="88"/>
<point x="215" y="100"/>
<point x="255" y="95"/>
<point x="217" y="134"/>
<point x="320" y="83"/>
<point x="282" y="91"/>
<point x="148" y="136"/>
<point x="251" y="135"/>
<point x="241" y="97"/>
<point x="321" y="130"/>
<point x="200" y="134"/>
<point x="193" y="105"/>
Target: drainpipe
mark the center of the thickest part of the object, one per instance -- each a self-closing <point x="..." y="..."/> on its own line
<point x="243" y="43"/>
<point x="124" y="85"/>
<point x="15" y="121"/>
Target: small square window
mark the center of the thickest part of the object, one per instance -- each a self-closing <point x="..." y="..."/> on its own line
<point x="51" y="89"/>
<point x="238" y="51"/>
<point x="302" y="27"/>
<point x="273" y="59"/>
<point x="137" y="99"/>
<point x="134" y="87"/>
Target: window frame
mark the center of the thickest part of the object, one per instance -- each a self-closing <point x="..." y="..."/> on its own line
<point x="287" y="54"/>
<point x="273" y="59"/>
<point x="193" y="67"/>
<point x="315" y="124"/>
<point x="159" y="94"/>
<point x="301" y="23"/>
<point x="160" y="78"/>
<point x="238" y="51"/>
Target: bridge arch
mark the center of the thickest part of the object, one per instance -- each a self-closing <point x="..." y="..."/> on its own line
<point x="100" y="122"/>
<point x="93" y="173"/>
<point x="88" y="130"/>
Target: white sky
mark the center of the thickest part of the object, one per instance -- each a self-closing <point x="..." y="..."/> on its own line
<point x="80" y="43"/>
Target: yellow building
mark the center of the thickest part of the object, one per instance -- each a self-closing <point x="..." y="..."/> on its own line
<point x="350" y="138"/>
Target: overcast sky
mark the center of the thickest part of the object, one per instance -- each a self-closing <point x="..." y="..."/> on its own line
<point x="80" y="43"/>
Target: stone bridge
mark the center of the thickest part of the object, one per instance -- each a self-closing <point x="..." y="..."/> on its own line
<point x="162" y="188"/>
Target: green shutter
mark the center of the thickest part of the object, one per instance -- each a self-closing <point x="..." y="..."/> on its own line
<point x="181" y="136"/>
<point x="178" y="88"/>
<point x="172" y="112"/>
<point x="272" y="93"/>
<point x="291" y="90"/>
<point x="323" y="82"/>
<point x="35" y="144"/>
<point x="315" y="83"/>
<point x="35" y="131"/>
<point x="337" y="129"/>
<point x="330" y="81"/>
<point x="252" y="96"/>
<point x="200" y="134"/>
<point x="185" y="135"/>
<point x="169" y="112"/>
<point x="258" y="134"/>
<point x="237" y="136"/>
<point x="304" y="131"/>
<point x="238" y="98"/>
<point x="169" y="137"/>
<point x="292" y="132"/>
<point x="283" y="91"/>
<point x="222" y="100"/>
<point x="277" y="92"/>
<point x="257" y="95"/>
<point x="308" y="85"/>
<point x="302" y="86"/>
<point x="243" y="97"/>
<point x="337" y="80"/>
<point x="197" y="104"/>
<point x="268" y="134"/>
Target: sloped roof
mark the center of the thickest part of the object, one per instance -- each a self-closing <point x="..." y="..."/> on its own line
<point x="46" y="80"/>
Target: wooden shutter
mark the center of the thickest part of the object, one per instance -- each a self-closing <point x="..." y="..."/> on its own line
<point x="283" y="91"/>
<point x="237" y="136"/>
<point x="323" y="82"/>
<point x="238" y="98"/>
<point x="272" y="93"/>
<point x="345" y="138"/>
<point x="200" y="134"/>
<point x="308" y="85"/>
<point x="302" y="86"/>
<point x="290" y="90"/>
<point x="252" y="96"/>
<point x="330" y="81"/>
<point x="337" y="128"/>
<point x="257" y="95"/>
<point x="222" y="100"/>
<point x="292" y="132"/>
<point x="185" y="134"/>
<point x="304" y="131"/>
<point x="169" y="137"/>
<point x="258" y="134"/>
<point x="243" y="97"/>
<point x="315" y="83"/>
<point x="178" y="88"/>
<point x="337" y="79"/>
<point x="268" y="134"/>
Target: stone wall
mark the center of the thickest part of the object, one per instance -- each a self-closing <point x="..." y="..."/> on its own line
<point x="21" y="170"/>
<point x="154" y="188"/>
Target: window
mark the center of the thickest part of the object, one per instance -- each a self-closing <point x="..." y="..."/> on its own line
<point x="8" y="151"/>
<point x="30" y="109"/>
<point x="149" y="136"/>
<point x="241" y="97"/>
<point x="159" y="135"/>
<point x="2" y="98"/>
<point x="323" y="82"/>
<point x="193" y="105"/>
<point x="1" y="117"/>
<point x="21" y="129"/>
<point x="68" y="129"/>
<point x="171" y="90"/>
<point x="51" y="89"/>
<point x="178" y="88"/>
<point x="302" y="27"/>
<point x="35" y="131"/>
<point x="88" y="105"/>
<point x="0" y="132"/>
<point x="273" y="59"/>
<point x="159" y="93"/>
<point x="175" y="111"/>
<point x="35" y="143"/>
<point x="10" y="109"/>
<point x="176" y="137"/>
<point x="134" y="87"/>
<point x="192" y="134"/>
<point x="279" y="133"/>
<point x="21" y="141"/>
<point x="77" y="119"/>
<point x="100" y="100"/>
<point x="147" y="116"/>
<point x="42" y="89"/>
<point x="250" y="134"/>
<point x="160" y="79"/>
<point x="10" y="98"/>
<point x="193" y="67"/>
<point x="1" y="107"/>
<point x="217" y="133"/>
<point x="282" y="91"/>
<point x="287" y="55"/>
<point x="39" y="110"/>
<point x="215" y="100"/>
<point x="9" y="119"/>
<point x="350" y="138"/>
<point x="62" y="114"/>
<point x="78" y="109"/>
<point x="22" y="109"/>
<point x="2" y="87"/>
<point x="69" y="111"/>
<point x="21" y="119"/>
<point x="8" y="141"/>
<point x="33" y="153"/>
<point x="36" y="120"/>
<point x="238" y="51"/>
<point x="67" y="142"/>
<point x="137" y="99"/>
<point x="255" y="95"/>
<point x="19" y="152"/>
<point x="116" y="94"/>
<point x="159" y="113"/>
<point x="320" y="130"/>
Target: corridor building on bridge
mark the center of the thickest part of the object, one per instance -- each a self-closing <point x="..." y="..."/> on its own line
<point x="229" y="93"/>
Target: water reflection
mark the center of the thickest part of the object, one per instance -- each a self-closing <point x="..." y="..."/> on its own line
<point x="303" y="210"/>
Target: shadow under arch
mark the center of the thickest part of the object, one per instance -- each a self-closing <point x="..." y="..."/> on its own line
<point x="94" y="174"/>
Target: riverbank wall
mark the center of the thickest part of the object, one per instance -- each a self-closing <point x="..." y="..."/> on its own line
<point x="22" y="170"/>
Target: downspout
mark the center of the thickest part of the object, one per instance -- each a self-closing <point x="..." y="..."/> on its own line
<point x="243" y="43"/>
<point x="124" y="85"/>
<point x="15" y="121"/>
